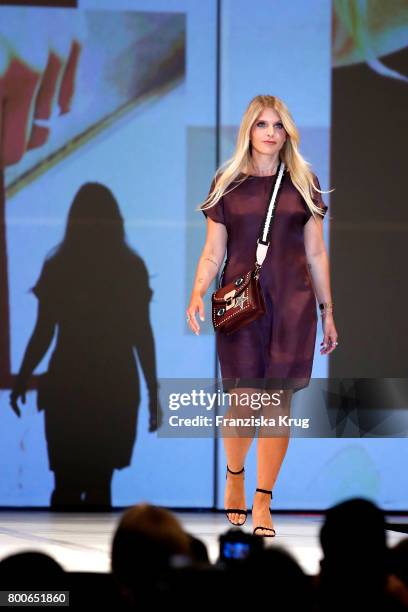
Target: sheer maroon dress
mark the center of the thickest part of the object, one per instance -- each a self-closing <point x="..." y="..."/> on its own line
<point x="276" y="350"/>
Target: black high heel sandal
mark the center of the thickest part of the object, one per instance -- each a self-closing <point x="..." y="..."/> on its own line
<point x="265" y="535"/>
<point x="235" y="510"/>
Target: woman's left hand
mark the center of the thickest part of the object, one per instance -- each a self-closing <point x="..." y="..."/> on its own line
<point x="329" y="335"/>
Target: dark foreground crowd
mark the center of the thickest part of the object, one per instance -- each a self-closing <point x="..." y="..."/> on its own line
<point x="155" y="561"/>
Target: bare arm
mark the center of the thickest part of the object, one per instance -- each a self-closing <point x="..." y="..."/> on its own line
<point x="318" y="262"/>
<point x="208" y="266"/>
<point x="317" y="259"/>
<point x="211" y="257"/>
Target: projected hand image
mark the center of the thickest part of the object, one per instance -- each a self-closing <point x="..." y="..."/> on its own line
<point x="38" y="64"/>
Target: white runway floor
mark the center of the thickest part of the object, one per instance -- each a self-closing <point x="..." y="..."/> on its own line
<point x="81" y="541"/>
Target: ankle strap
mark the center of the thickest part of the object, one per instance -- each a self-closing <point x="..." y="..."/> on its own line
<point x="240" y="471"/>
<point x="265" y="491"/>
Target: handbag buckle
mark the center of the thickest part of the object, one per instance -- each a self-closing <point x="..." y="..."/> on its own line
<point x="257" y="270"/>
<point x="229" y="299"/>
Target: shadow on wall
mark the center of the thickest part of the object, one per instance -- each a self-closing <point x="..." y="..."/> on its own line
<point x="95" y="290"/>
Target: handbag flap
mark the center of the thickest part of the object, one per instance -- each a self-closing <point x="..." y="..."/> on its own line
<point x="239" y="285"/>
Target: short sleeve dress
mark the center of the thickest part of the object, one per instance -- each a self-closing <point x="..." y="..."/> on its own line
<point x="276" y="350"/>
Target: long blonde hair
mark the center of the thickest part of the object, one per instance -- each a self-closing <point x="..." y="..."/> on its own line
<point x="300" y="170"/>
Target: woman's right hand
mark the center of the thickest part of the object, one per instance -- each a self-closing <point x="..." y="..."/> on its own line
<point x="196" y="304"/>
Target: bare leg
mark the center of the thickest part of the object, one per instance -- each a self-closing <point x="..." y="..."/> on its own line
<point x="271" y="450"/>
<point x="237" y="441"/>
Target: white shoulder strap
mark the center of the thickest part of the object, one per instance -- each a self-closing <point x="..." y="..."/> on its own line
<point x="262" y="247"/>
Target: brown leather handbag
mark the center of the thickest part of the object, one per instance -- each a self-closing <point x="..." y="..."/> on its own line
<point x="242" y="301"/>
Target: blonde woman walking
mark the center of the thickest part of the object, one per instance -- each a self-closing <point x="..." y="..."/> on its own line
<point x="273" y="353"/>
